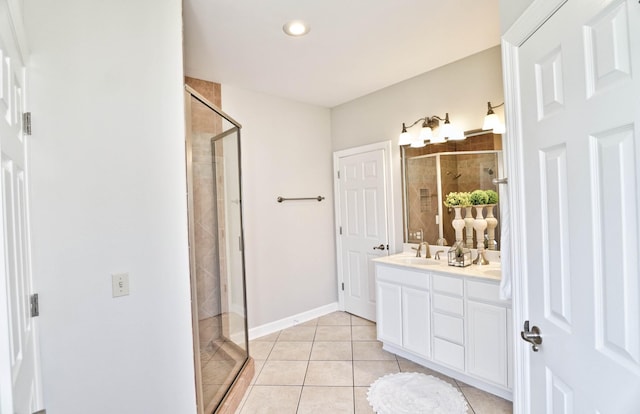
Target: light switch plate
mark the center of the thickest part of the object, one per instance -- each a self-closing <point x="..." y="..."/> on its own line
<point x="120" y="284"/>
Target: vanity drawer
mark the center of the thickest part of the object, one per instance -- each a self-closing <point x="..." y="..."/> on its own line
<point x="448" y="327"/>
<point x="448" y="353"/>
<point x="403" y="276"/>
<point x="448" y="304"/>
<point x="483" y="291"/>
<point x="452" y="285"/>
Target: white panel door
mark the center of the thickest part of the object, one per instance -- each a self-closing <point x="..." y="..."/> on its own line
<point x="580" y="85"/>
<point x="20" y="390"/>
<point x="363" y="221"/>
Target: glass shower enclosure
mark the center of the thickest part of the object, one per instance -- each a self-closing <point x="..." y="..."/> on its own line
<point x="216" y="250"/>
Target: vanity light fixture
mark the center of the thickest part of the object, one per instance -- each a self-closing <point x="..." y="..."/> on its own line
<point x="427" y="133"/>
<point x="296" y="28"/>
<point x="491" y="121"/>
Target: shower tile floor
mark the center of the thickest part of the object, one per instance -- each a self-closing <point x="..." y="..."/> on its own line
<point x="326" y="366"/>
<point x="220" y="360"/>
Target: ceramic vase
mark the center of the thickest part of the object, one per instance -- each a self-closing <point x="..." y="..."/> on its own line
<point x="479" y="225"/>
<point x="468" y="224"/>
<point x="492" y="223"/>
<point x="458" y="223"/>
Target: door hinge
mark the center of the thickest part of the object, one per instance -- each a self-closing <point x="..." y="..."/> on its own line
<point x="26" y="123"/>
<point x="35" y="305"/>
<point x="341" y="230"/>
<point x="338" y="174"/>
<point x="342" y="285"/>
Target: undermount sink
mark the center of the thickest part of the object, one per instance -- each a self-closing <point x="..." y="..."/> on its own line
<point x="417" y="261"/>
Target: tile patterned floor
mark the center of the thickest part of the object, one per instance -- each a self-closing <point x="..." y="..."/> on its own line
<point x="326" y="366"/>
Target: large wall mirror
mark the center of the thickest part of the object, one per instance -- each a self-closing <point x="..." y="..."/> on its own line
<point x="431" y="172"/>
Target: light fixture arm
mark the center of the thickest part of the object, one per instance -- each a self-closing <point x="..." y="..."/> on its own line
<point x="490" y="108"/>
<point x="432" y="121"/>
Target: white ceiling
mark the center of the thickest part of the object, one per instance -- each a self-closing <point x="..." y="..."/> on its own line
<point x="355" y="47"/>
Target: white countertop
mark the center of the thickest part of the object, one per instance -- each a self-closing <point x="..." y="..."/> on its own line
<point x="409" y="260"/>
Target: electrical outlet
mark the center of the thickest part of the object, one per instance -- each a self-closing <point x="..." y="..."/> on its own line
<point x="120" y="284"/>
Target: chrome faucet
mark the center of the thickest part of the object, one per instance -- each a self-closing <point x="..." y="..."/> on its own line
<point x="437" y="255"/>
<point x="419" y="249"/>
<point x="427" y="254"/>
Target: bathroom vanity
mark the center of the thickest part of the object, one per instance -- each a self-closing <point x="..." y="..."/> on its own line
<point x="446" y="318"/>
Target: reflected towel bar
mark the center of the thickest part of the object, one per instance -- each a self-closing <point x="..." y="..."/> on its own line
<point x="281" y="199"/>
<point x="497" y="181"/>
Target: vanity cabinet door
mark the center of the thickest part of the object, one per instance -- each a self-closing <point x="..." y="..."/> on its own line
<point x="389" y="312"/>
<point x="416" y="330"/>
<point x="487" y="342"/>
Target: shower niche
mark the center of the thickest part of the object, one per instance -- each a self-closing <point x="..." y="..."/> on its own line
<point x="222" y="364"/>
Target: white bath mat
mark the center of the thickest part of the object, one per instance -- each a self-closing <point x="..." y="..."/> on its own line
<point x="413" y="393"/>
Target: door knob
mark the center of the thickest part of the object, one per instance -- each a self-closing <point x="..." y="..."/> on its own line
<point x="381" y="247"/>
<point x="532" y="336"/>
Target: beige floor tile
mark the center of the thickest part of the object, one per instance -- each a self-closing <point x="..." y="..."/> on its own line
<point x="361" y="403"/>
<point x="335" y="318"/>
<point x="329" y="373"/>
<point x="410" y="366"/>
<point x="298" y="333"/>
<point x="323" y="400"/>
<point x="272" y="400"/>
<point x="290" y="351"/>
<point x="485" y="403"/>
<point x="331" y="351"/>
<point x="282" y="373"/>
<point x="269" y="338"/>
<point x="260" y="349"/>
<point x="356" y="320"/>
<point x="371" y="351"/>
<point x="333" y="333"/>
<point x="363" y="333"/>
<point x="366" y="372"/>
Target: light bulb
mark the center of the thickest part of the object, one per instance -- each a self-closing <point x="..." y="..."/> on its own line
<point x="490" y="121"/>
<point x="417" y="142"/>
<point x="446" y="130"/>
<point x="426" y="134"/>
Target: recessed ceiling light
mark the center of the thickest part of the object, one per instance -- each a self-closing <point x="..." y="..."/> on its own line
<point x="296" y="28"/>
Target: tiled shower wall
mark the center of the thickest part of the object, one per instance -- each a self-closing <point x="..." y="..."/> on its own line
<point x="205" y="126"/>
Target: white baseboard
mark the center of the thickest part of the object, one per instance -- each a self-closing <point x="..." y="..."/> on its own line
<point x="290" y="321"/>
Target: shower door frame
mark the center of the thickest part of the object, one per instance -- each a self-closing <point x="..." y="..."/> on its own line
<point x="188" y="94"/>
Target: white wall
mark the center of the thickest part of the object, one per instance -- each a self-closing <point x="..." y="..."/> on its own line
<point x="290" y="253"/>
<point x="108" y="192"/>
<point x="461" y="88"/>
<point x="510" y="10"/>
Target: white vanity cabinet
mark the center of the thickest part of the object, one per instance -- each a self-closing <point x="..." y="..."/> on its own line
<point x="488" y="332"/>
<point x="403" y="308"/>
<point x="452" y="323"/>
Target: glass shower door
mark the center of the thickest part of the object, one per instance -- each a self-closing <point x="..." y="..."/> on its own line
<point x="216" y="249"/>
